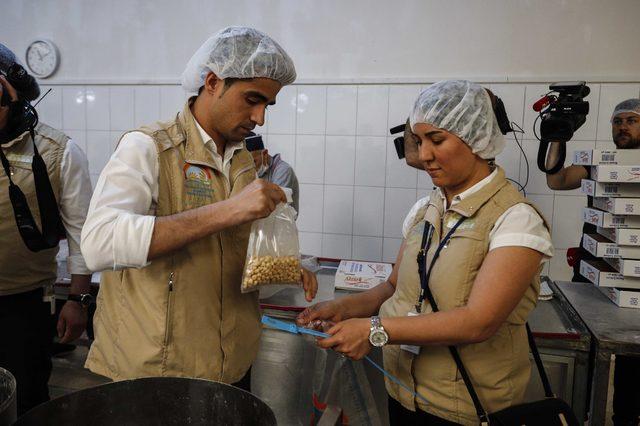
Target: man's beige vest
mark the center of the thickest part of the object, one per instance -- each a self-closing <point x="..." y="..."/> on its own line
<point x="24" y="270"/>
<point x="183" y="314"/>
<point x="499" y="367"/>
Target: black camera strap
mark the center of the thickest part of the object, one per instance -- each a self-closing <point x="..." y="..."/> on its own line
<point x="52" y="227"/>
<point x="424" y="284"/>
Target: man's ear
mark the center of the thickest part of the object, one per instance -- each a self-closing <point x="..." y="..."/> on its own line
<point x="212" y="83"/>
<point x="266" y="151"/>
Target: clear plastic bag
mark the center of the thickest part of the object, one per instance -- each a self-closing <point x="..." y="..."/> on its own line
<point x="273" y="254"/>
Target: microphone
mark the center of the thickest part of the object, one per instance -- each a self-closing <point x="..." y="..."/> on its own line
<point x="542" y="103"/>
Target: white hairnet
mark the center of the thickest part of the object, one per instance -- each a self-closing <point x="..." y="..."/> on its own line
<point x="630" y="105"/>
<point x="464" y="109"/>
<point x="238" y="52"/>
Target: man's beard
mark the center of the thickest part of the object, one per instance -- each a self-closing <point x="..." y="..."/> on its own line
<point x="625" y="141"/>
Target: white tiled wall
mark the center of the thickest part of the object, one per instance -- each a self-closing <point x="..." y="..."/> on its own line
<point x="354" y="191"/>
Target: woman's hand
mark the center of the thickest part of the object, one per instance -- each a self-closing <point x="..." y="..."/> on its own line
<point x="314" y="315"/>
<point x="350" y="338"/>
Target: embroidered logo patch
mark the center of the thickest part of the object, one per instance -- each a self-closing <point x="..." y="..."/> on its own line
<point x="197" y="186"/>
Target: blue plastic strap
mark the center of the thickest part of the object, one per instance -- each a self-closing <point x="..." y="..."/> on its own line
<point x="290" y="327"/>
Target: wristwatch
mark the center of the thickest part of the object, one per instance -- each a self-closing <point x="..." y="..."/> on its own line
<point x="378" y="337"/>
<point x="84" y="299"/>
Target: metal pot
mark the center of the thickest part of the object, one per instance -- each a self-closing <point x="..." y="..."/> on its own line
<point x="154" y="401"/>
<point x="8" y="406"/>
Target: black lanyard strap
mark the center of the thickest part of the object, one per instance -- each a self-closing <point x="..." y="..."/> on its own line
<point x="422" y="255"/>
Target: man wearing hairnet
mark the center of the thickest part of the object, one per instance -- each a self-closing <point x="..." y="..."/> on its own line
<point x="169" y="224"/>
<point x="484" y="245"/>
<point x="625" y="130"/>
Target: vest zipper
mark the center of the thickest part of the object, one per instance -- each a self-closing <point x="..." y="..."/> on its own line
<point x="224" y="356"/>
<point x="167" y="322"/>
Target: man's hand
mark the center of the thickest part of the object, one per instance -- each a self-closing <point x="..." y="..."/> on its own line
<point x="310" y="284"/>
<point x="4" y="110"/>
<point x="257" y="200"/>
<point x="72" y="322"/>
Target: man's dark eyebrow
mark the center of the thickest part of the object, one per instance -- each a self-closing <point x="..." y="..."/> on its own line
<point x="263" y="98"/>
<point x="431" y="133"/>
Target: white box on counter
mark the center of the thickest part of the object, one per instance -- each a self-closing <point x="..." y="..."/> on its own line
<point x="621" y="297"/>
<point x="594" y="157"/>
<point x="615" y="173"/>
<point x="600" y="246"/>
<point x="630" y="206"/>
<point x="623" y="237"/>
<point x="627" y="267"/>
<point x="608" y="220"/>
<point x="603" y="275"/>
<point x="360" y="276"/>
<point x="597" y="189"/>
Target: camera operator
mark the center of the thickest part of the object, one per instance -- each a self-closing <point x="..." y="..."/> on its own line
<point x="625" y="130"/>
<point x="26" y="326"/>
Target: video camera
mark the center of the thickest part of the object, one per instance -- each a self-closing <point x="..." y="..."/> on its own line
<point x="561" y="114"/>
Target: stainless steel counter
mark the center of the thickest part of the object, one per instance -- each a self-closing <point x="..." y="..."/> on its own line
<point x="615" y="330"/>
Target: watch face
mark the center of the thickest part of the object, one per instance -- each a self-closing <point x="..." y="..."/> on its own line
<point x="42" y="58"/>
<point x="379" y="338"/>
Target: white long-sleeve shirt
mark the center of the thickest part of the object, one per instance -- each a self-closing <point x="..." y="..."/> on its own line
<point x="122" y="213"/>
<point x="74" y="203"/>
<point x="520" y="225"/>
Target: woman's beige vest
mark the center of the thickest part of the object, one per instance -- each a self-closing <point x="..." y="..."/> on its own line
<point x="499" y="367"/>
<point x="22" y="269"/>
<point x="183" y="314"/>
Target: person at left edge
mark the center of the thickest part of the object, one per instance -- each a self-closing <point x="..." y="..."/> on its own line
<point x="170" y="218"/>
<point x="26" y="328"/>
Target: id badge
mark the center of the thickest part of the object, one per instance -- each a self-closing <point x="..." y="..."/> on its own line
<point x="411" y="348"/>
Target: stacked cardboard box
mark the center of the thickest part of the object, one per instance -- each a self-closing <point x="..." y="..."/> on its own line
<point x="615" y="190"/>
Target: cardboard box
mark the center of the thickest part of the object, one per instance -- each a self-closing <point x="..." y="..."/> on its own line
<point x="600" y="246"/>
<point x="360" y="276"/>
<point x="603" y="275"/>
<point x="627" y="267"/>
<point x="608" y="220"/>
<point x="630" y="206"/>
<point x="597" y="189"/>
<point x="622" y="237"/>
<point x="621" y="297"/>
<point x="615" y="173"/>
<point x="594" y="157"/>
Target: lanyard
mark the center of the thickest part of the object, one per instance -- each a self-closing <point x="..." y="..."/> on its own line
<point x="427" y="235"/>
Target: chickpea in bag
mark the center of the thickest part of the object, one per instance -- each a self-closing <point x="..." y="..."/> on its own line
<point x="273" y="254"/>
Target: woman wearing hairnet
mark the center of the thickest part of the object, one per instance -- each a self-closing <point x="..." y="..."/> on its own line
<point x="484" y="277"/>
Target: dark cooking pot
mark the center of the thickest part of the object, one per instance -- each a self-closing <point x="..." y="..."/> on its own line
<point x="7" y="398"/>
<point x="154" y="401"/>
